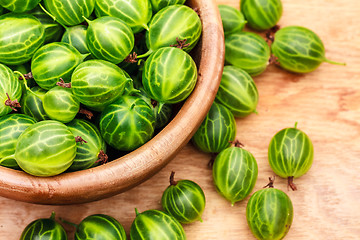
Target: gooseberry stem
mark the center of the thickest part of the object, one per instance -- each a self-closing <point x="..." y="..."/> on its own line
<point x="291" y="183"/>
<point x="25" y="83"/>
<point x="136" y="212"/>
<point x="52" y="16"/>
<point x="52" y="217"/>
<point x="333" y="62"/>
<point x="172" y="180"/>
<point x="67" y="222"/>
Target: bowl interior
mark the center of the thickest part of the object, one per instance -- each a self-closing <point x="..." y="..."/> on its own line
<point x="139" y="165"/>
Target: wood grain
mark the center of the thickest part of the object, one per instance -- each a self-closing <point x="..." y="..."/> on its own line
<point x="325" y="103"/>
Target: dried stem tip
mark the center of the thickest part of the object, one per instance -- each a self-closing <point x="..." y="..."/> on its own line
<point x="181" y="44"/>
<point x="102" y="157"/>
<point x="87" y="113"/>
<point x="63" y="84"/>
<point x="237" y="143"/>
<point x="131" y="58"/>
<point x="27" y="76"/>
<point x="80" y="140"/>
<point x="271" y="183"/>
<point x="12" y="104"/>
<point x="291" y="183"/>
<point x="172" y="181"/>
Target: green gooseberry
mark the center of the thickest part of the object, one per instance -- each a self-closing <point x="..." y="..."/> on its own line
<point x="46" y="148"/>
<point x="261" y="15"/>
<point x="247" y="51"/>
<point x="109" y="38"/>
<point x="99" y="227"/>
<point x="20" y="36"/>
<point x="217" y="131"/>
<point x="11" y="127"/>
<point x="171" y="26"/>
<point x="10" y="90"/>
<point x="91" y="152"/>
<point x="53" y="30"/>
<point x="76" y="36"/>
<point x="68" y="12"/>
<point x="60" y="104"/>
<point x="32" y="103"/>
<point x="298" y="49"/>
<point x="157" y="5"/>
<point x="127" y="123"/>
<point x="98" y="83"/>
<point x="237" y="91"/>
<point x="235" y="172"/>
<point x="135" y="13"/>
<point x="44" y="229"/>
<point x="19" y="5"/>
<point x="54" y="61"/>
<point x="232" y="19"/>
<point x="1" y="10"/>
<point x="169" y="75"/>
<point x="269" y="213"/>
<point x="184" y="200"/>
<point x="155" y="224"/>
<point x="290" y="154"/>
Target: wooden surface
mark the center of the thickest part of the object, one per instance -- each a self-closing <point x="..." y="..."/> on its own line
<point x="326" y="105"/>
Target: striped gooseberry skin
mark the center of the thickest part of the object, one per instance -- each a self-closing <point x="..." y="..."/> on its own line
<point x="169" y="75"/>
<point x="20" y="36"/>
<point x="11" y="127"/>
<point x="135" y="13"/>
<point x="127" y="123"/>
<point x="98" y="83"/>
<point x="232" y="19"/>
<point x="44" y="229"/>
<point x="68" y="12"/>
<point x="155" y="224"/>
<point x="86" y="153"/>
<point x="100" y="227"/>
<point x="76" y="36"/>
<point x="53" y="30"/>
<point x="261" y="15"/>
<point x="184" y="200"/>
<point x="234" y="173"/>
<point x="170" y="23"/>
<point x="60" y="104"/>
<point x="32" y="105"/>
<point x="298" y="49"/>
<point x="269" y="214"/>
<point x="46" y="148"/>
<point x="157" y="5"/>
<point x="19" y="5"/>
<point x="54" y="61"/>
<point x="247" y="51"/>
<point x="10" y="85"/>
<point x="216" y="131"/>
<point x="163" y="116"/>
<point x="109" y="38"/>
<point x="290" y="153"/>
<point x="237" y="91"/>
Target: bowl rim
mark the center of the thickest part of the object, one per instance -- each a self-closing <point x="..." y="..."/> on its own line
<point x="134" y="168"/>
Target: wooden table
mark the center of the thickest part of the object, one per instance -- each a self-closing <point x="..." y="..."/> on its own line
<point x="326" y="105"/>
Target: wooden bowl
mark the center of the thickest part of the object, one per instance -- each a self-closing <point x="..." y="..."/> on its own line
<point x="134" y="168"/>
